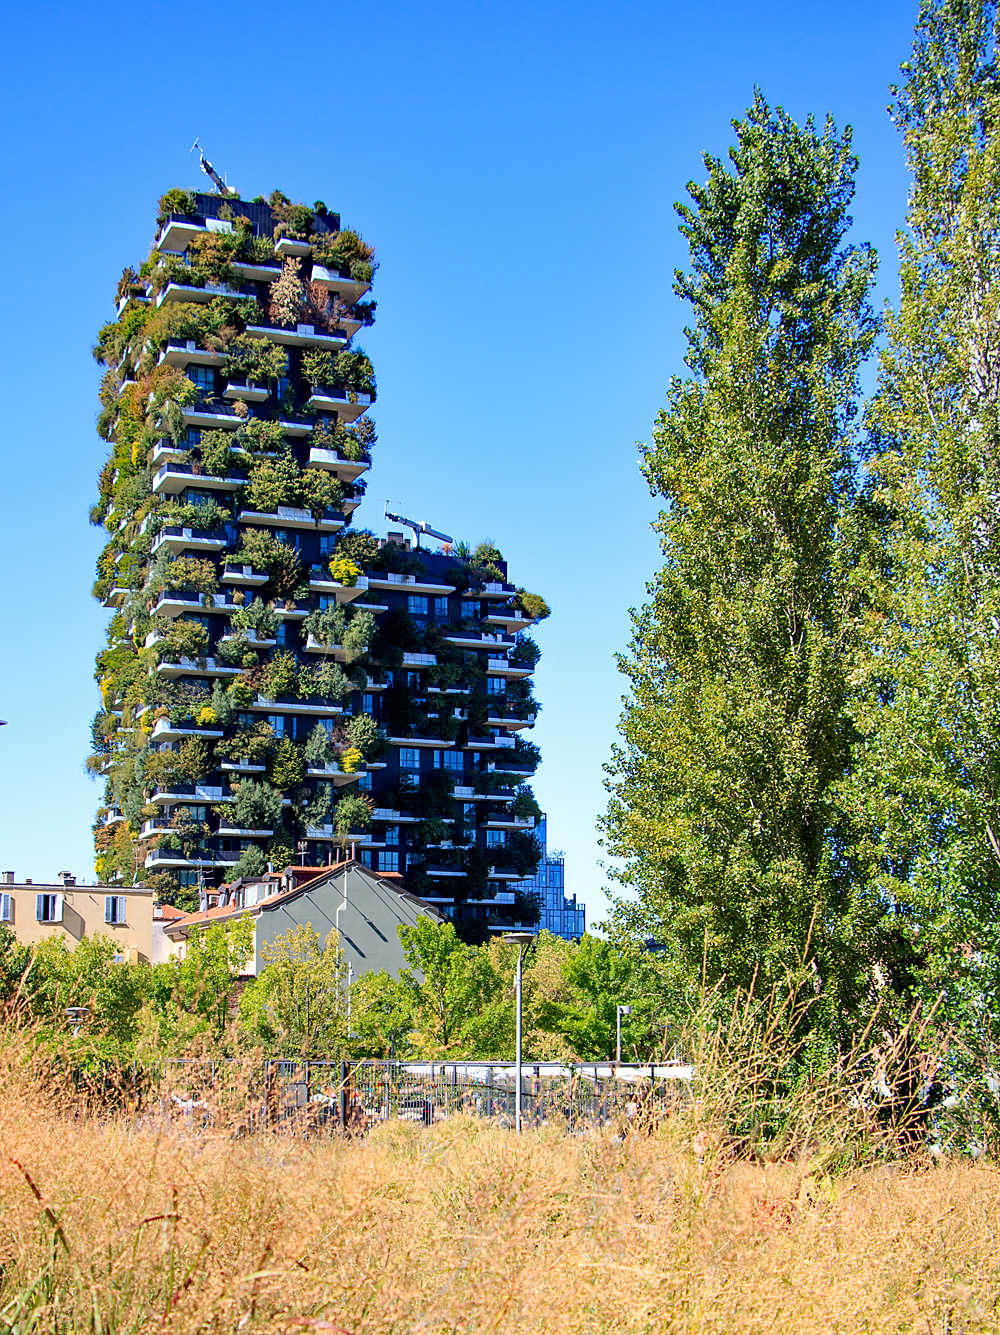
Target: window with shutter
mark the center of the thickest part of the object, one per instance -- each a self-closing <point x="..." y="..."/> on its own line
<point x="40" y="907"/>
<point x="121" y="915"/>
<point x="57" y="908"/>
<point x="109" y="908"/>
<point x="6" y="908"/>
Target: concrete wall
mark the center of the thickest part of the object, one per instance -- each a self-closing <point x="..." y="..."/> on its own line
<point x="367" y="921"/>
<point x="83" y="913"/>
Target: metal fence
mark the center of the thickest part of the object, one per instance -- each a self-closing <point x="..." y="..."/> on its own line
<point x="324" y="1097"/>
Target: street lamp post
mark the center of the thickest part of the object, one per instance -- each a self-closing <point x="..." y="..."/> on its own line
<point x="519" y="939"/>
<point x="622" y="1010"/>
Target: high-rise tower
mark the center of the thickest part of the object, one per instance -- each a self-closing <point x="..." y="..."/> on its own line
<point x="278" y="682"/>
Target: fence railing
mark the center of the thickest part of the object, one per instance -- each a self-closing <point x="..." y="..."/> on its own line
<point x="316" y="1097"/>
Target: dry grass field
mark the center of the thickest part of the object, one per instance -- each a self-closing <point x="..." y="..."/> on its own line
<point x="116" y="1227"/>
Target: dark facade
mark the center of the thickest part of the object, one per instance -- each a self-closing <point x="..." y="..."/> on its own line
<point x="278" y="682"/>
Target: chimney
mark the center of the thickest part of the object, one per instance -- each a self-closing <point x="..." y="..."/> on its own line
<point x="66" y="878"/>
<point x="7" y="878"/>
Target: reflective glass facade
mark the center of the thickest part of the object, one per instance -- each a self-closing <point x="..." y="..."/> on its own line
<point x="560" y="916"/>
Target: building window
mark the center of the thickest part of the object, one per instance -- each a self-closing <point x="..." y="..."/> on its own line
<point x="280" y="634"/>
<point x="453" y="760"/>
<point x="193" y="437"/>
<point x="388" y="861"/>
<point x="187" y="879"/>
<point x="496" y="838"/>
<point x="470" y="609"/>
<point x="114" y="909"/>
<point x="496" y="685"/>
<point x="413" y="682"/>
<point x="365" y="781"/>
<point x="245" y="720"/>
<point x="368" y="704"/>
<point x="327" y="542"/>
<point x="409" y="757"/>
<point x="203" y="379"/>
<point x="392" y="834"/>
<point x="277" y="722"/>
<point x="197" y="496"/>
<point x="48" y="908"/>
<point x="441" y="609"/>
<point x="416" y="605"/>
<point x="6" y="908"/>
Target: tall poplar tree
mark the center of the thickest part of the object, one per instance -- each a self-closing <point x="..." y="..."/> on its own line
<point x="928" y="781"/>
<point x="735" y="733"/>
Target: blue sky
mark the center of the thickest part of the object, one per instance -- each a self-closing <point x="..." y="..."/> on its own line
<point x="515" y="166"/>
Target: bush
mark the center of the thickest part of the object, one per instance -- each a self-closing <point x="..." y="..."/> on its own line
<point x="255" y="806"/>
<point x="532" y="605"/>
<point x="365" y="734"/>
<point x="352" y="812"/>
<point x="286" y="768"/>
<point x="176" y="201"/>
<point x="344" y="572"/>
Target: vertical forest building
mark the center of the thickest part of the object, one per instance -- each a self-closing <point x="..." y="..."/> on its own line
<point x="278" y="682"/>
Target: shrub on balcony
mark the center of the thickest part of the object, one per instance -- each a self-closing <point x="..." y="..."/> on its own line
<point x="344" y="571"/>
<point x="183" y="574"/>
<point x="525" y="651"/>
<point x="178" y="201"/>
<point x="252" y="863"/>
<point x="349" y="760"/>
<point x="524" y="805"/>
<point x="278" y="676"/>
<point x="250" y="742"/>
<point x="259" y="617"/>
<point x="205" y="516"/>
<point x="352" y="812"/>
<point x="255" y="806"/>
<point x="237" y="652"/>
<point x="256" y="359"/>
<point x="287" y="295"/>
<point x="346" y="250"/>
<point x="320" y="747"/>
<point x="357" y="545"/>
<point x="260" y="548"/>
<point x="185" y="639"/>
<point x="365" y="734"/>
<point x="532" y="605"/>
<point x="327" y="625"/>
<point x="286" y="767"/>
<point x="261" y="437"/>
<point x="214" y="453"/>
<point x="316" y="811"/>
<point x="325" y="681"/>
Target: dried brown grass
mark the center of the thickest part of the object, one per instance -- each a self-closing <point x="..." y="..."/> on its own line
<point x="107" y="1225"/>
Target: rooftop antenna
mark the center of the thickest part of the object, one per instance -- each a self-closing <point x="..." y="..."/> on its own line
<point x="209" y="170"/>
<point x="418" y="526"/>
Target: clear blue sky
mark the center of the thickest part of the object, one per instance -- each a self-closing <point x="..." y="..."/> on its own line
<point x="515" y="165"/>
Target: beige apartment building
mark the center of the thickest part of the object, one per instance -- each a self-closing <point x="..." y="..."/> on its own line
<point x="34" y="911"/>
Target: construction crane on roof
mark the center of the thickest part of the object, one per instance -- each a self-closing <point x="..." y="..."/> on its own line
<point x="209" y="170"/>
<point x="418" y="526"/>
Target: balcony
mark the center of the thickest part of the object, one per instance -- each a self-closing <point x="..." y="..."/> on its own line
<point x="348" y="404"/>
<point x="511" y="724"/>
<point x="251" y="638"/>
<point x="187" y="292"/>
<point x="509" y="617"/>
<point x="116" y="596"/>
<point x="504" y="666"/>
<point x="190" y="667"/>
<point x="407" y="584"/>
<point x="165" y="731"/>
<point x="393" y="817"/>
<point x="470" y="639"/>
<point x="178" y="232"/>
<point x="249" y="390"/>
<point x="256" y="273"/>
<point x="232" y="831"/>
<point x="241" y="767"/>
<point x="166" y="452"/>
<point x="289" y="706"/>
<point x="346" y="469"/>
<point x="191" y="792"/>
<point x="422" y="741"/>
<point x="511" y="823"/>
<point x="332" y="774"/>
<point x="334" y="651"/>
<point x="348" y="289"/>
<point x="296" y="426"/>
<point x="291" y="247"/>
<point x="469" y="794"/>
<point x="185" y="352"/>
<point x="177" y="540"/>
<point x="342" y="593"/>
<point x="302" y="336"/>
<point x="173" y="602"/>
<point x="240" y="574"/>
<point x="217" y="416"/>
<point x="171" y="479"/>
<point x="287" y="516"/>
<point x="420" y="660"/>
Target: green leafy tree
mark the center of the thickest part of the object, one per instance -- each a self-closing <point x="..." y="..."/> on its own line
<point x="734" y="735"/>
<point x="455" y="992"/>
<point x="297" y="1007"/>
<point x="382" y="1016"/>
<point x="927" y="786"/>
<point x="189" y="996"/>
